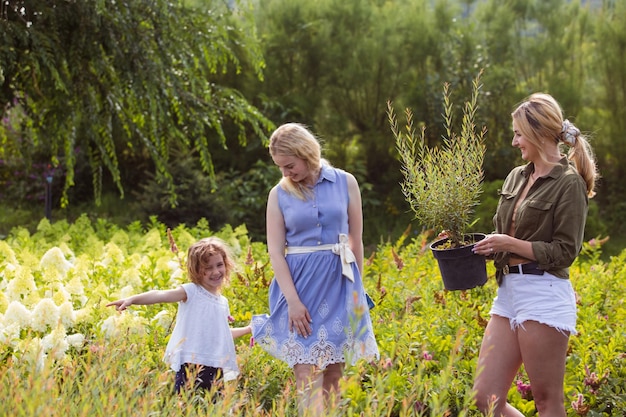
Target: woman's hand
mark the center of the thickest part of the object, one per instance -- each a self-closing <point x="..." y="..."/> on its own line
<point x="299" y="319"/>
<point x="490" y="245"/>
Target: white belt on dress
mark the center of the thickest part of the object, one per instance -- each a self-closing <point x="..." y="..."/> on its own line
<point x="342" y="249"/>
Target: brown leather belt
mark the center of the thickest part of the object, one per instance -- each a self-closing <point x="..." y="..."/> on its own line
<point x="531" y="268"/>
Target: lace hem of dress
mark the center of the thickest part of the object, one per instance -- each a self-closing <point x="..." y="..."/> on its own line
<point x="321" y="353"/>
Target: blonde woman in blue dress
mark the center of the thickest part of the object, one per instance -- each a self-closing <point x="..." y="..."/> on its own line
<point x="319" y="317"/>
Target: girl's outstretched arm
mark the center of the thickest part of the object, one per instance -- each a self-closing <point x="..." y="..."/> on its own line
<point x="150" y="297"/>
<point x="240" y="331"/>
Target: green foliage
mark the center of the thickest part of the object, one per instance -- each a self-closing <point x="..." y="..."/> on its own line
<point x="139" y="78"/>
<point x="238" y="197"/>
<point x="428" y="337"/>
<point x="442" y="184"/>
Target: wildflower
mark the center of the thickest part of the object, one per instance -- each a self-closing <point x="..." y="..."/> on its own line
<point x="45" y="314"/>
<point x="231" y="319"/>
<point x="67" y="316"/>
<point x="163" y="318"/>
<point x="398" y="261"/>
<point x="109" y="327"/>
<point x="59" y="294"/>
<point x="419" y="407"/>
<point x="176" y="271"/>
<point x="598" y="242"/>
<point x="173" y="246"/>
<point x="427" y="356"/>
<point x="22" y="285"/>
<point x="152" y="240"/>
<point x="76" y="340"/>
<point x="10" y="335"/>
<point x="112" y="255"/>
<point x="17" y="313"/>
<point x="74" y="286"/>
<point x="388" y="363"/>
<point x="54" y="262"/>
<point x="249" y="257"/>
<point x="55" y="343"/>
<point x="592" y="380"/>
<point x="96" y="349"/>
<point x="524" y="389"/>
<point x="579" y="405"/>
<point x="251" y="341"/>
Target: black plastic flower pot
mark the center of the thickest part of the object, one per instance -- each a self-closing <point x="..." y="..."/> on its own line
<point x="460" y="268"/>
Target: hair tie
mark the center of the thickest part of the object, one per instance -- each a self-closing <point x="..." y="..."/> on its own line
<point x="569" y="133"/>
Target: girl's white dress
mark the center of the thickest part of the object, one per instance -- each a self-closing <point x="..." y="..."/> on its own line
<point x="202" y="333"/>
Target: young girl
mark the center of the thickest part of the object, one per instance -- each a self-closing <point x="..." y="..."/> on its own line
<point x="201" y="344"/>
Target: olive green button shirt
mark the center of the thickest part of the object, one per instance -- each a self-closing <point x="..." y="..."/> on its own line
<point x="552" y="216"/>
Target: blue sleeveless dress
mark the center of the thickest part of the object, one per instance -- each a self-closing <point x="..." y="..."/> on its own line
<point x="342" y="328"/>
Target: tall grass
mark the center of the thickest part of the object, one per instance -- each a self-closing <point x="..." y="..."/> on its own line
<point x="97" y="362"/>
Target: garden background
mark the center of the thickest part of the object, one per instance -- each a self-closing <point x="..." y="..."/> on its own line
<point x="122" y="119"/>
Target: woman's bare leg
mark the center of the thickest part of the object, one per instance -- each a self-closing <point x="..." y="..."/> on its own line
<point x="544" y="350"/>
<point x="309" y="385"/>
<point x="332" y="375"/>
<point x="498" y="362"/>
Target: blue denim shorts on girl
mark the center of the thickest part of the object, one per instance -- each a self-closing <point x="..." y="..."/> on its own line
<point x="542" y="298"/>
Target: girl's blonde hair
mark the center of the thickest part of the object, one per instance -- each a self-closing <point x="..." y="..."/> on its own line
<point x="294" y="139"/>
<point x="198" y="257"/>
<point x="540" y="118"/>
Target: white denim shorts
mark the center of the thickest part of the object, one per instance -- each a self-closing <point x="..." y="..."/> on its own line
<point x="542" y="298"/>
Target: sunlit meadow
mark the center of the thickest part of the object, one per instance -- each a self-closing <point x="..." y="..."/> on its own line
<point x="64" y="353"/>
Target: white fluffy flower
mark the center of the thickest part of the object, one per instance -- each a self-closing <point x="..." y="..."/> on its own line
<point x="22" y="285"/>
<point x="45" y="314"/>
<point x="113" y="255"/>
<point x="82" y="315"/>
<point x="54" y="262"/>
<point x="76" y="340"/>
<point x="10" y="335"/>
<point x="109" y="327"/>
<point x="59" y="294"/>
<point x="67" y="316"/>
<point x="163" y="318"/>
<point x="55" y="343"/>
<point x="176" y="272"/>
<point x="17" y="313"/>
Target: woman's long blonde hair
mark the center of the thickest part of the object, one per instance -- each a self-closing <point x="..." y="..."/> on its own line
<point x="540" y="118"/>
<point x="294" y="139"/>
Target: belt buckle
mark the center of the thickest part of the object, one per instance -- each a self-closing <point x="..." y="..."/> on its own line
<point x="505" y="270"/>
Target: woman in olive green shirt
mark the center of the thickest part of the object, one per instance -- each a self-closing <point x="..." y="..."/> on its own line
<point x="540" y="221"/>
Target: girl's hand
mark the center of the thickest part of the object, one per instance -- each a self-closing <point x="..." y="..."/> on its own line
<point x="120" y="305"/>
<point x="299" y="319"/>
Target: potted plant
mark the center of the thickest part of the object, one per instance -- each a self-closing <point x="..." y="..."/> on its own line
<point x="442" y="185"/>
